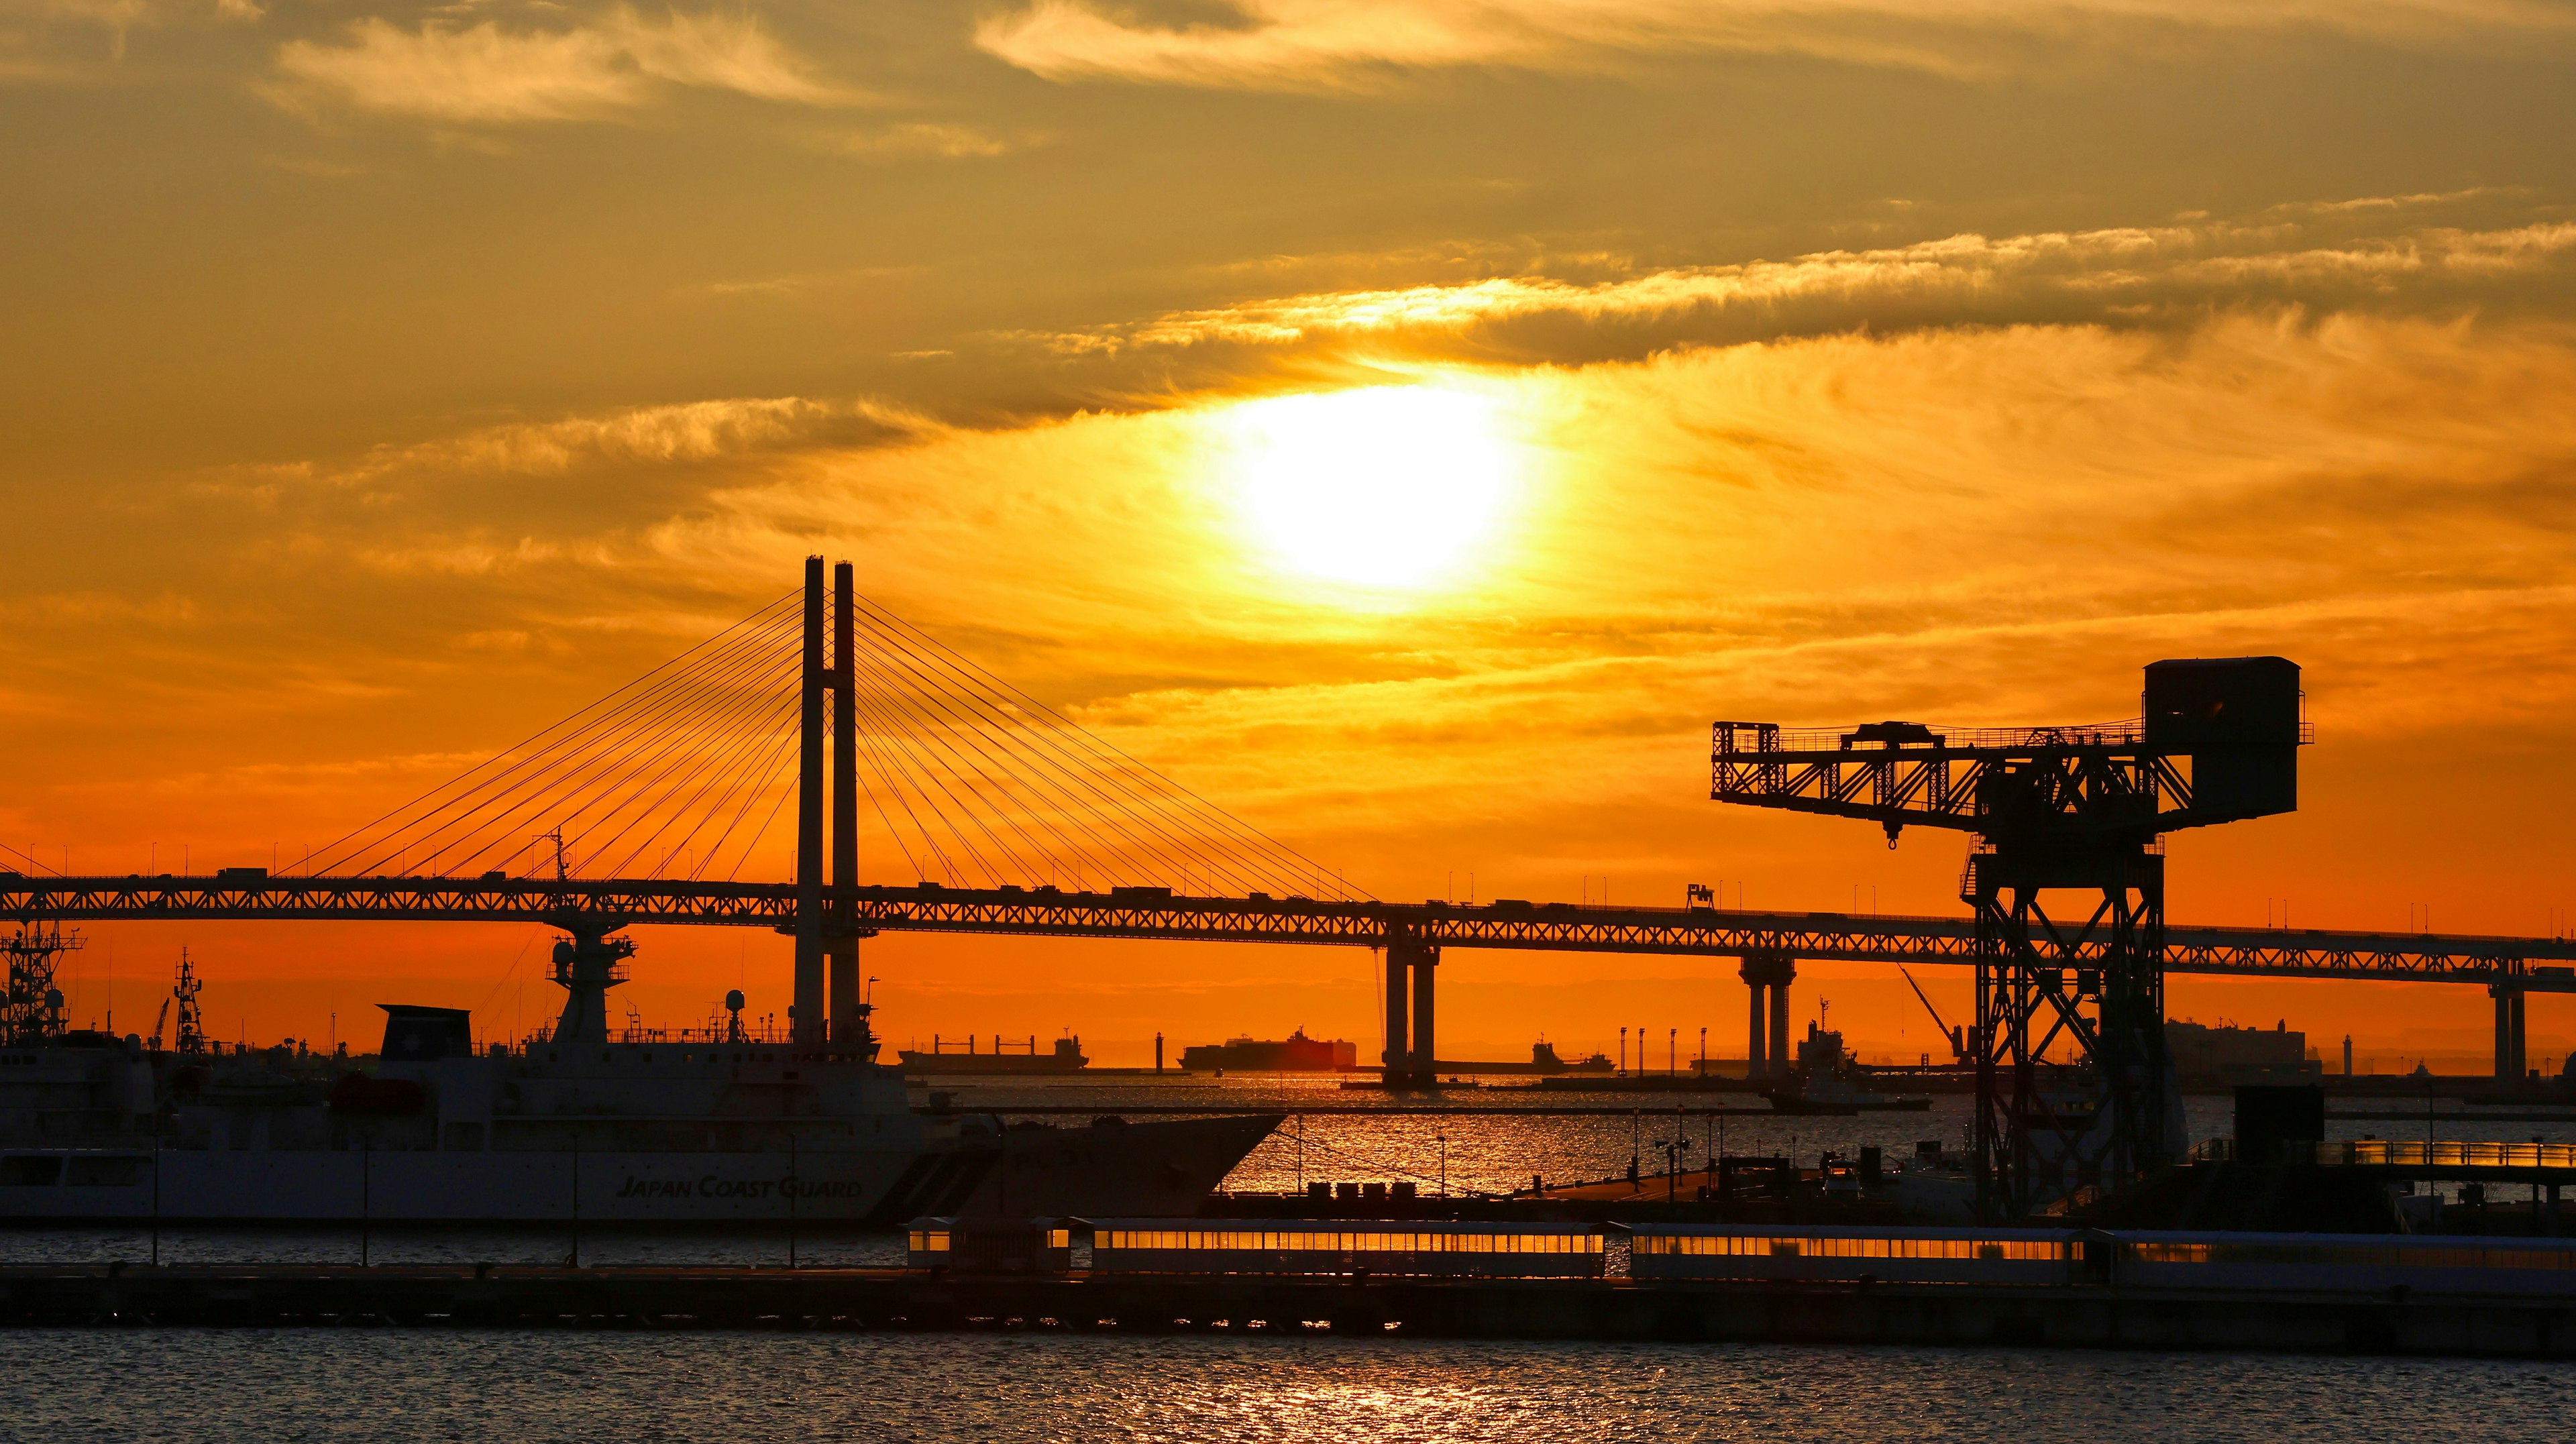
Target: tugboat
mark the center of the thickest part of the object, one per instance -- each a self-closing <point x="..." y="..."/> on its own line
<point x="1827" y="1080"/>
<point x="729" y="1125"/>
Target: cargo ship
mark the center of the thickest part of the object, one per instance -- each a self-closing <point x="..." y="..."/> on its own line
<point x="945" y="1058"/>
<point x="1829" y="1081"/>
<point x="721" y="1125"/>
<point x="1295" y="1053"/>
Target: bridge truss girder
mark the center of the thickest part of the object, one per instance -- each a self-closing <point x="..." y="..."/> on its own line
<point x="2540" y="965"/>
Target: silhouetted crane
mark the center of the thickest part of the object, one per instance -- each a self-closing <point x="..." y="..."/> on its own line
<point x="2057" y="810"/>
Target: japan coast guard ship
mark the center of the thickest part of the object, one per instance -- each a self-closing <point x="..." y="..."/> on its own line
<point x="718" y="1128"/>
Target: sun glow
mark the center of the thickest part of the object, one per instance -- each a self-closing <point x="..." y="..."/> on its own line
<point x="1388" y="488"/>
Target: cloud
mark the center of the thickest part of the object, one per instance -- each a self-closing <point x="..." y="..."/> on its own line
<point x="2090" y="274"/>
<point x="1335" y="44"/>
<point x="34" y="45"/>
<point x="486" y="75"/>
<point x="673" y="435"/>
<point x="938" y="140"/>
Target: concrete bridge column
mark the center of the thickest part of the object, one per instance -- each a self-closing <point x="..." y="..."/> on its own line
<point x="1426" y="1053"/>
<point x="1398" y="980"/>
<point x="2508" y="1031"/>
<point x="2521" y="1063"/>
<point x="1767" y="972"/>
<point x="1780" y="1028"/>
<point x="1755" y="1033"/>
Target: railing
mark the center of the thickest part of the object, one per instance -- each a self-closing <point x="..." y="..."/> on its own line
<point x="2418" y="1155"/>
<point x="716" y="1036"/>
<point x="1877" y="738"/>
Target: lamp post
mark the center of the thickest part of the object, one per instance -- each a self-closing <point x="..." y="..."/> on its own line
<point x="156" y="1183"/>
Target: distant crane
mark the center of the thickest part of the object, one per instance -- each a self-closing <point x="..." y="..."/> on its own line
<point x="2057" y="810"/>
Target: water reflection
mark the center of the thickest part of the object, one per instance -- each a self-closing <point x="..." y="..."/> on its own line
<point x="362" y="1385"/>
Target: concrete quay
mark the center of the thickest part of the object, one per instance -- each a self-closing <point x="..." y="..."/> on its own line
<point x="1559" y="1309"/>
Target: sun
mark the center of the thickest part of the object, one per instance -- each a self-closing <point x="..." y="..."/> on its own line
<point x="1388" y="488"/>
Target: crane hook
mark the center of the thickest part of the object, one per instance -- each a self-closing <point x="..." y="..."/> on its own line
<point x="1893" y="828"/>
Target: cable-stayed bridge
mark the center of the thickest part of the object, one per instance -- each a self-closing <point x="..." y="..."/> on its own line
<point x="825" y="717"/>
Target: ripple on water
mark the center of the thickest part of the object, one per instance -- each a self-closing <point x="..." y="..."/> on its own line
<point x="351" y="1386"/>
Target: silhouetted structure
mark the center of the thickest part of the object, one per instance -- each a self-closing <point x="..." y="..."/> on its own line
<point x="2056" y="810"/>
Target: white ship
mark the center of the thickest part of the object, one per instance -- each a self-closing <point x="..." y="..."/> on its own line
<point x="713" y="1127"/>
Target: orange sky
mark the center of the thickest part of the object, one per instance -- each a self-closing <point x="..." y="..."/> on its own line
<point x="1408" y="425"/>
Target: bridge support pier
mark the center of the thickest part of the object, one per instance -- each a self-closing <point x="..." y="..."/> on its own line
<point x="1426" y="1053"/>
<point x="1399" y="980"/>
<point x="1767" y="976"/>
<point x="1412" y="970"/>
<point x="2510" y="1065"/>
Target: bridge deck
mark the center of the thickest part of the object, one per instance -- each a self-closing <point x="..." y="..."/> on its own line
<point x="2532" y="964"/>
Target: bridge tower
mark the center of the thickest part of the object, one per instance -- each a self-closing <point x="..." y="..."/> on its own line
<point x="2074" y="1089"/>
<point x="847" y="1026"/>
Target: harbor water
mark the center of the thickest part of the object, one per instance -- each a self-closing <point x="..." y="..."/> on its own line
<point x="358" y="1386"/>
<point x="355" y="1385"/>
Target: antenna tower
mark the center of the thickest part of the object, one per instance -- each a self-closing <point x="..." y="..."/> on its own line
<point x="32" y="1012"/>
<point x="191" y="1040"/>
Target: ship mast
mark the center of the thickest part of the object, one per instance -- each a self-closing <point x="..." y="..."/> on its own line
<point x="191" y="1039"/>
<point x="32" y="1011"/>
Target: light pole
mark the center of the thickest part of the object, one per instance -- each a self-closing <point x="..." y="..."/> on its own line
<point x="156" y="1183"/>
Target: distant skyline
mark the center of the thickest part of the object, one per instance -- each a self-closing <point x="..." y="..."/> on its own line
<point x="1407" y="424"/>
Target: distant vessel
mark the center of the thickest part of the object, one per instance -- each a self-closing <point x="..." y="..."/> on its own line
<point x="718" y="1125"/>
<point x="944" y="1058"/>
<point x="1828" y="1081"/>
<point x="1295" y="1053"/>
<point x="1543" y="1061"/>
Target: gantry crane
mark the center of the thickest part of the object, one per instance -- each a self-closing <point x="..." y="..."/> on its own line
<point x="2074" y="1090"/>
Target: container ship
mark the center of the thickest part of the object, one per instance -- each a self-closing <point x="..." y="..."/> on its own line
<point x="1295" y="1053"/>
<point x="715" y="1126"/>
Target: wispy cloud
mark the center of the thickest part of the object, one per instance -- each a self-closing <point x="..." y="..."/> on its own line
<point x="1334" y="44"/>
<point x="1956" y="277"/>
<point x="686" y="432"/>
<point x="487" y="75"/>
<point x="927" y="139"/>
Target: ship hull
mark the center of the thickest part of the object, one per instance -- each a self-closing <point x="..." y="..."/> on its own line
<point x="1161" y="1168"/>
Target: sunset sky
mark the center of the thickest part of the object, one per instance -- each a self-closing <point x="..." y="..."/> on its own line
<point x="1407" y="424"/>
